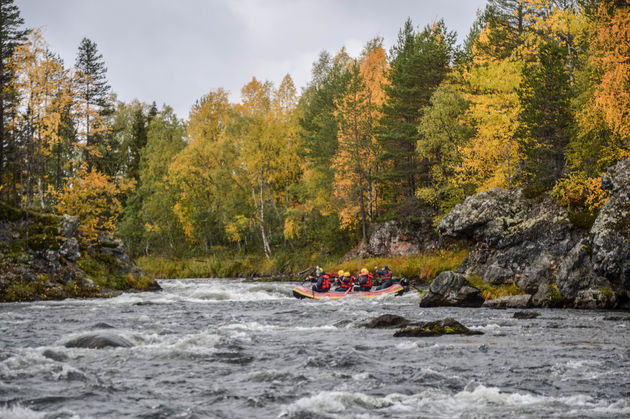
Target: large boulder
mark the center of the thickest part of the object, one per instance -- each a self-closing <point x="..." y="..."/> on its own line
<point x="451" y="289"/>
<point x="510" y="301"/>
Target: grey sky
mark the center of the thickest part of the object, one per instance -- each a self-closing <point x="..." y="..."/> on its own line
<point x="175" y="51"/>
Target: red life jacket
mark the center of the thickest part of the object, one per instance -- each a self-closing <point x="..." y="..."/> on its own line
<point x="387" y="276"/>
<point x="345" y="282"/>
<point x="366" y="280"/>
<point x="326" y="282"/>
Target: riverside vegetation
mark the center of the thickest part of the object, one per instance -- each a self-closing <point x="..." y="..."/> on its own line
<point x="534" y="102"/>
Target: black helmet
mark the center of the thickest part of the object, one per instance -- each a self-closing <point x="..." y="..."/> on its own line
<point x="385" y="268"/>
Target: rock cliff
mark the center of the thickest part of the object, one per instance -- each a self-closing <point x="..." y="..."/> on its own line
<point x="393" y="238"/>
<point x="42" y="257"/>
<point x="533" y="244"/>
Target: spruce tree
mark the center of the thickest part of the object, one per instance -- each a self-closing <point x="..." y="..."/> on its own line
<point x="508" y="21"/>
<point x="545" y="98"/>
<point x="420" y="62"/>
<point x="11" y="35"/>
<point x="93" y="91"/>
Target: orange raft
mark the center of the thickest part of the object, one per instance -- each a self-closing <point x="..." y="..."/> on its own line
<point x="303" y="292"/>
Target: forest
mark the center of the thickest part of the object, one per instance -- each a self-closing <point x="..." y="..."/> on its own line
<point x="537" y="97"/>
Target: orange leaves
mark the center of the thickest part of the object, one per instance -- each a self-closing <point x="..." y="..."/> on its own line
<point x="93" y="197"/>
<point x="612" y="95"/>
<point x="357" y="112"/>
<point x="579" y="191"/>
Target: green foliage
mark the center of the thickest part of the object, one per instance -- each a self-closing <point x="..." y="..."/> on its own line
<point x="106" y="270"/>
<point x="9" y="213"/>
<point x="553" y="294"/>
<point x="420" y="62"/>
<point x="443" y="131"/>
<point x="583" y="219"/>
<point x="545" y="97"/>
<point x="149" y="222"/>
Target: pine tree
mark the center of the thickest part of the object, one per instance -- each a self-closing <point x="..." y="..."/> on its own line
<point x="11" y="35"/>
<point x="93" y="91"/>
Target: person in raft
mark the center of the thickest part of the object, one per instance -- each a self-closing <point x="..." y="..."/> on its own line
<point x="345" y="282"/>
<point x="339" y="277"/>
<point x="386" y="277"/>
<point x="323" y="281"/>
<point x="318" y="272"/>
<point x="365" y="281"/>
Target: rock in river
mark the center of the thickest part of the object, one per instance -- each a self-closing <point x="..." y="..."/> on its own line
<point x="451" y="289"/>
<point x="99" y="341"/>
<point x="447" y="326"/>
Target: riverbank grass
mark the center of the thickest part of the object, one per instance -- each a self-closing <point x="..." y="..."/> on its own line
<point x="423" y="267"/>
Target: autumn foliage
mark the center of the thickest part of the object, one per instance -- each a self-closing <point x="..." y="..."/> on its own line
<point x="537" y="97"/>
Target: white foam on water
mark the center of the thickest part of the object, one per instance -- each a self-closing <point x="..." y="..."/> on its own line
<point x="249" y="327"/>
<point x="19" y="412"/>
<point x="586" y="369"/>
<point x="486" y="328"/>
<point x="29" y="362"/>
<point x="220" y="290"/>
<point x="314" y="328"/>
<point x="202" y="343"/>
<point x="481" y="402"/>
<point x="333" y="402"/>
<point x="407" y="345"/>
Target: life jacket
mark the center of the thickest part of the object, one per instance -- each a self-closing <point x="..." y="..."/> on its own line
<point x="366" y="280"/>
<point x="386" y="276"/>
<point x="325" y="282"/>
<point x="346" y="281"/>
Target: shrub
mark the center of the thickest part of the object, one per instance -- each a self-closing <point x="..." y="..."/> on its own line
<point x="490" y="292"/>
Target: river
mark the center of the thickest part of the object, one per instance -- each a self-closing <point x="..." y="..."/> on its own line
<point x="209" y="348"/>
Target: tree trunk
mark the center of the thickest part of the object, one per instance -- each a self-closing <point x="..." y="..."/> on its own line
<point x="263" y="234"/>
<point x="1" y="135"/>
<point x="362" y="203"/>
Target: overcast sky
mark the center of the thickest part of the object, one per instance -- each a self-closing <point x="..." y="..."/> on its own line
<point x="174" y="51"/>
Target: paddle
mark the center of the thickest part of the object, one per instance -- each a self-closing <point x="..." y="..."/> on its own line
<point x="349" y="288"/>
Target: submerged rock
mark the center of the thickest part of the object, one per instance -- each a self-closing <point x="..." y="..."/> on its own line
<point x="526" y="315"/>
<point x="387" y="321"/>
<point x="451" y="289"/>
<point x="99" y="341"/>
<point x="102" y="325"/>
<point x="447" y="326"/>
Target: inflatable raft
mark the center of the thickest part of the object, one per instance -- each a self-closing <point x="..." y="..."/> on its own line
<point x="303" y="292"/>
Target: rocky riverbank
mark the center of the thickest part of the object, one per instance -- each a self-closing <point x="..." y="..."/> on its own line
<point x="43" y="258"/>
<point x="533" y="245"/>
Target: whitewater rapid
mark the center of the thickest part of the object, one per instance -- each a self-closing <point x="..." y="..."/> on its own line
<point x="216" y="348"/>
